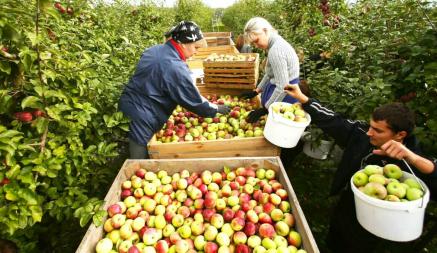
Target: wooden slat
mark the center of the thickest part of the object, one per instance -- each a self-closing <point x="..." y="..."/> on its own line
<point x="246" y="71"/>
<point x="253" y="146"/>
<point x="241" y="86"/>
<point x="208" y="80"/>
<point x="94" y="234"/>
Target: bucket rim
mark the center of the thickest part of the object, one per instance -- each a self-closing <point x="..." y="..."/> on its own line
<point x="286" y="121"/>
<point x="407" y="205"/>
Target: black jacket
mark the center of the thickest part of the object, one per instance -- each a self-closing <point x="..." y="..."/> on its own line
<point x="351" y="135"/>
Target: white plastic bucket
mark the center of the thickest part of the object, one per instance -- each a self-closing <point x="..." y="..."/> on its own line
<point x="396" y="221"/>
<point x="318" y="152"/>
<point x="283" y="132"/>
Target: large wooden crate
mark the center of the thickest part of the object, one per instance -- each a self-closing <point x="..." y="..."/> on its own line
<point x="232" y="74"/>
<point x="218" y="38"/>
<point x="94" y="234"/>
<point x="196" y="61"/>
<point x="251" y="146"/>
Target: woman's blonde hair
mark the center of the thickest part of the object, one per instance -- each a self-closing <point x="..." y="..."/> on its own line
<point x="256" y="26"/>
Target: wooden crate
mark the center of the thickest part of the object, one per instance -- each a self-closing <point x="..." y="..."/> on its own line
<point x="232" y="74"/>
<point x="204" y="52"/>
<point x="94" y="234"/>
<point x="218" y="38"/>
<point x="196" y="61"/>
<point x="251" y="146"/>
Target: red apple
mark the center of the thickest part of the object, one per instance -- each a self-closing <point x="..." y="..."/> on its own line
<point x="114" y="209"/>
<point x="228" y="214"/>
<point x="266" y="230"/>
<point x="249" y="228"/>
<point x="242" y="248"/>
<point x="211" y="247"/>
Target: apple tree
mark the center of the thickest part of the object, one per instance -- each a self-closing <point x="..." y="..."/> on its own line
<point x="62" y="68"/>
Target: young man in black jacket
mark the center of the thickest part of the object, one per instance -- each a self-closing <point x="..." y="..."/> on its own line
<point x="387" y="139"/>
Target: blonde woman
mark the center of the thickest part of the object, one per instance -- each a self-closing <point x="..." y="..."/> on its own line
<point x="282" y="66"/>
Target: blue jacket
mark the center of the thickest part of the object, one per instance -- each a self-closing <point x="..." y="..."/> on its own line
<point x="161" y="81"/>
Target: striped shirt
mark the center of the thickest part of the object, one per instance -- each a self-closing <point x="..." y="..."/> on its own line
<point x="282" y="67"/>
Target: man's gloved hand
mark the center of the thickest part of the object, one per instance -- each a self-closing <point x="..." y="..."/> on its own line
<point x="223" y="109"/>
<point x="256" y="114"/>
<point x="248" y="94"/>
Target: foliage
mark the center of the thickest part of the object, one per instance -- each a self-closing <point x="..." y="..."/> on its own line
<point x="195" y="10"/>
<point x="63" y="69"/>
<point x="380" y="51"/>
<point x="236" y="16"/>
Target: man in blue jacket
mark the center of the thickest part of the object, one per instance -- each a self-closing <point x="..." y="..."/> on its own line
<point x="387" y="139"/>
<point x="162" y="81"/>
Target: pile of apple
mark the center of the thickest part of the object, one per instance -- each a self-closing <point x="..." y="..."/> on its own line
<point x="293" y="112"/>
<point x="229" y="57"/>
<point x="242" y="210"/>
<point x="187" y="126"/>
<point x="384" y="183"/>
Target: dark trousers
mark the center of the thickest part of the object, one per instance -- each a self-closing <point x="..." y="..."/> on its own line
<point x="137" y="151"/>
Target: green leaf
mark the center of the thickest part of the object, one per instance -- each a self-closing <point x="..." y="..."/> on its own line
<point x="26" y="147"/>
<point x="41" y="124"/>
<point x="31" y="101"/>
<point x="98" y="217"/>
<point x="84" y="219"/>
<point x="5" y="67"/>
<point x="9" y="134"/>
<point x="36" y="213"/>
<point x="8" y="149"/>
<point x="226" y="169"/>
<point x="40" y="169"/>
<point x="29" y="196"/>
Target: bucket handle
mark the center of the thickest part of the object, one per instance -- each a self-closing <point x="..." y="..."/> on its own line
<point x="421" y="186"/>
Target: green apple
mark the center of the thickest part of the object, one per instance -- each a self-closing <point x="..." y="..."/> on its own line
<point x="268" y="243"/>
<point x="292" y="249"/>
<point x="280" y="241"/>
<point x="375" y="190"/>
<point x="412" y="183"/>
<point x="224" y="249"/>
<point x="223" y="239"/>
<point x="360" y="178"/>
<point x="177" y="220"/>
<point x="253" y="241"/>
<point x="270" y="174"/>
<point x="197" y="227"/>
<point x="282" y="249"/>
<point x="199" y="242"/>
<point x="392" y="198"/>
<point x="227" y="228"/>
<point x="160" y="222"/>
<point x="392" y="171"/>
<point x="104" y="246"/>
<point x="259" y="249"/>
<point x="395" y="188"/>
<point x="378" y="178"/>
<point x="184" y="231"/>
<point x="282" y="228"/>
<point x="210" y="233"/>
<point x="373" y="169"/>
<point x="414" y="193"/>
<point x="168" y="230"/>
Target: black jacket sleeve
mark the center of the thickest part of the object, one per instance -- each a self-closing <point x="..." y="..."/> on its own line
<point x="331" y="122"/>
